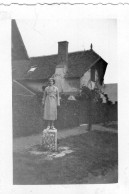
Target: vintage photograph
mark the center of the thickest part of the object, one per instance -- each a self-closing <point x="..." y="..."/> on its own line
<point x="64" y="101"/>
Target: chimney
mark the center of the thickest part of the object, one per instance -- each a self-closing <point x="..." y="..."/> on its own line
<point x="63" y="54"/>
<point x="91" y="47"/>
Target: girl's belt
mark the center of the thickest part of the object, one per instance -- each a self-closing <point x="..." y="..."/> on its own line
<point x="52" y="96"/>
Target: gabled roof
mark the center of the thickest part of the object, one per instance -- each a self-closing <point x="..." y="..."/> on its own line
<point x="20" y="59"/>
<point x="19" y="89"/>
<point x="18" y="48"/>
<point x="19" y="69"/>
<point x="45" y="67"/>
<point x="78" y="63"/>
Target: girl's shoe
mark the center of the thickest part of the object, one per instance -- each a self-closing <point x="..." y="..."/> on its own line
<point x="48" y="127"/>
<point x="53" y="128"/>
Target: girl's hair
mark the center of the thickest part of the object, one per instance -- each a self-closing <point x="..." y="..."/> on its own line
<point x="51" y="79"/>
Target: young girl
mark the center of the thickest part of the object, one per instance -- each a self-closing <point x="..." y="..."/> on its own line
<point x="51" y="101"/>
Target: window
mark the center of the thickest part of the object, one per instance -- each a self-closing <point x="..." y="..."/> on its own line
<point x="32" y="69"/>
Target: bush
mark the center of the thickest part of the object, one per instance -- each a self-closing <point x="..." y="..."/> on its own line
<point x="27" y="117"/>
<point x="68" y="113"/>
<point x="94" y="111"/>
<point x="28" y="112"/>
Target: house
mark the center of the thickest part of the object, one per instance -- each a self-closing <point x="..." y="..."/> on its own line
<point x="70" y="70"/>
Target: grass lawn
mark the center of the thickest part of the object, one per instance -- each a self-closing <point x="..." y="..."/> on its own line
<point x="93" y="160"/>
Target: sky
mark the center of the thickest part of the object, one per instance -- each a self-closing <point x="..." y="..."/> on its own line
<point x="41" y="38"/>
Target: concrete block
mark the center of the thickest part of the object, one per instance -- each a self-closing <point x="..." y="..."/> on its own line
<point x="49" y="139"/>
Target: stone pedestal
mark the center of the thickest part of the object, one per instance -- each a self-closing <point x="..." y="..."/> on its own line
<point x="49" y="139"/>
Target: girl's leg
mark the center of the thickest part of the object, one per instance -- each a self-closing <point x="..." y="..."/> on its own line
<point x="48" y="124"/>
<point x="52" y="124"/>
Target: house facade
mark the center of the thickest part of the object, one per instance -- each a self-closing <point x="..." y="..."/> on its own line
<point x="70" y="70"/>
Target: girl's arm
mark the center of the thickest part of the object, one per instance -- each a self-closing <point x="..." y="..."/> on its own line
<point x="58" y="98"/>
<point x="44" y="96"/>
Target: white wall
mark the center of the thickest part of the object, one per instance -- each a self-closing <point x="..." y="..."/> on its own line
<point x="64" y="84"/>
<point x="86" y="80"/>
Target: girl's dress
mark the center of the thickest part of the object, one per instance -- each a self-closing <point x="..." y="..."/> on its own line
<point x="51" y="101"/>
